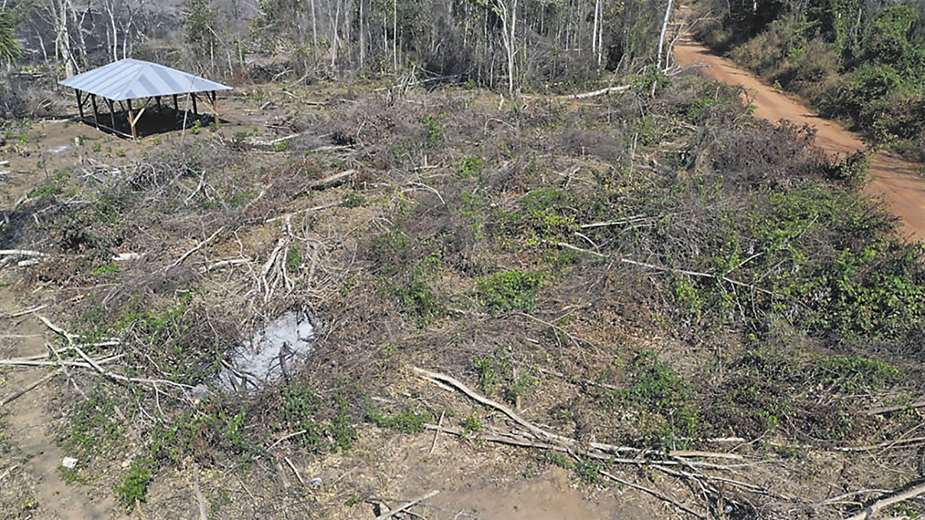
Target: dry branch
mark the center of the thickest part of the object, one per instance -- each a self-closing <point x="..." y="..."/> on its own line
<point x="663" y="269"/>
<point x="199" y="246"/>
<point x="446" y="381"/>
<point x="21" y="313"/>
<point x="407" y="505"/>
<point x="897" y="408"/>
<point x="889" y="500"/>
<point x="19" y="393"/>
<point x="656" y="494"/>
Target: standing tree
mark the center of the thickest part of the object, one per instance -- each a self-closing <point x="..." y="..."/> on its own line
<point x="9" y="45"/>
<point x="200" y="30"/>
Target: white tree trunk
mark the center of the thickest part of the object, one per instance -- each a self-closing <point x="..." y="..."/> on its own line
<point x="661" y="38"/>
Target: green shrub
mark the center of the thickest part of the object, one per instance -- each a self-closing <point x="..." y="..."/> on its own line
<point x="133" y="487"/>
<point x="853" y="170"/>
<point x="353" y="200"/>
<point x="470" y="167"/>
<point x="293" y="259"/>
<point x="408" y="420"/>
<point x="589" y="470"/>
<point x="852" y="373"/>
<point x="417" y="297"/>
<point x="433" y="130"/>
<point x="668" y="416"/>
<point x="107" y="269"/>
<point x="544" y="214"/>
<point x="859" y="89"/>
<point x="509" y="290"/>
<point x="471" y="425"/>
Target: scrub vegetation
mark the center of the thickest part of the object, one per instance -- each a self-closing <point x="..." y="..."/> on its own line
<point x="646" y="285"/>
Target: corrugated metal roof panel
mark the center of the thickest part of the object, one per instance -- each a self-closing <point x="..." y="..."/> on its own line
<point x="133" y="79"/>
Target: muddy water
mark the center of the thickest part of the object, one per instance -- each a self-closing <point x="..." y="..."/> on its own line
<point x="898" y="182"/>
<point x="275" y="349"/>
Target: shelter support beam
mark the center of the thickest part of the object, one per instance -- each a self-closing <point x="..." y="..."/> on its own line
<point x="96" y="112"/>
<point x="80" y="104"/>
<point x="195" y="108"/>
<point x="131" y="120"/>
<point x="176" y="106"/>
<point x="112" y="113"/>
<point x="213" y="104"/>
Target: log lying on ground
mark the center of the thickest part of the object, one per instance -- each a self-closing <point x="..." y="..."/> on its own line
<point x="595" y="93"/>
<point x="21" y="252"/>
<point x="332" y="180"/>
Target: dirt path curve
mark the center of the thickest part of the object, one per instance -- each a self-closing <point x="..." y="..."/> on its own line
<point x="900" y="183"/>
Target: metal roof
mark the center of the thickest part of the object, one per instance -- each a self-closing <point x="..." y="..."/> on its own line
<point x="133" y="79"/>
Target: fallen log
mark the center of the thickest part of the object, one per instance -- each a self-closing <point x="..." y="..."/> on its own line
<point x="332" y="181"/>
<point x="595" y="93"/>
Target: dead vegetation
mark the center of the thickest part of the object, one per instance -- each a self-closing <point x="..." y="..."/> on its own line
<point x="656" y="293"/>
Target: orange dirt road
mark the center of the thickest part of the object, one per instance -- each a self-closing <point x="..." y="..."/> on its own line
<point x="899" y="183"/>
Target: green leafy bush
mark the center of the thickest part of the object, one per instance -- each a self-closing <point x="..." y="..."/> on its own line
<point x="408" y="420"/>
<point x="853" y="170"/>
<point x="509" y="290"/>
<point x="668" y="415"/>
<point x="133" y="487"/>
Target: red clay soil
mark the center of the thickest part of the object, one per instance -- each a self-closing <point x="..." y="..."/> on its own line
<point x="898" y="182"/>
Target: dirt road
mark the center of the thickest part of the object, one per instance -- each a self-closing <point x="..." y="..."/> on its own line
<point x="899" y="183"/>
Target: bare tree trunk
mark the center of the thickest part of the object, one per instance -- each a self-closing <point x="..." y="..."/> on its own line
<point x="600" y="36"/>
<point x="334" y="40"/>
<point x="115" y="31"/>
<point x="510" y="42"/>
<point x="395" y="36"/>
<point x="597" y="10"/>
<point x="314" y="29"/>
<point x="362" y="37"/>
<point x="661" y="38"/>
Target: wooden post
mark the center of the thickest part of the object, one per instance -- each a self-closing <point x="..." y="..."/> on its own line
<point x="158" y="100"/>
<point x="112" y="113"/>
<point x="131" y="120"/>
<point x="80" y="105"/>
<point x="176" y="107"/>
<point x="213" y="100"/>
<point x="96" y="112"/>
<point x="195" y="108"/>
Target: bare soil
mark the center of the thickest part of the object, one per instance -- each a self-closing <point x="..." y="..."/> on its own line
<point x="898" y="182"/>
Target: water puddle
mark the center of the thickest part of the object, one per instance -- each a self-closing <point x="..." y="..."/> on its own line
<point x="273" y="352"/>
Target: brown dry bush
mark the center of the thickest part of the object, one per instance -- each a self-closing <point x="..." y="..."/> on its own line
<point x="767" y="155"/>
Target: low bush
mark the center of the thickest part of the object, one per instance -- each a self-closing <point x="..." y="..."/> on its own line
<point x="509" y="290"/>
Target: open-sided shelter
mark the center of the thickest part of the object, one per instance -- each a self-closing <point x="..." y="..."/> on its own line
<point x="130" y="80"/>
